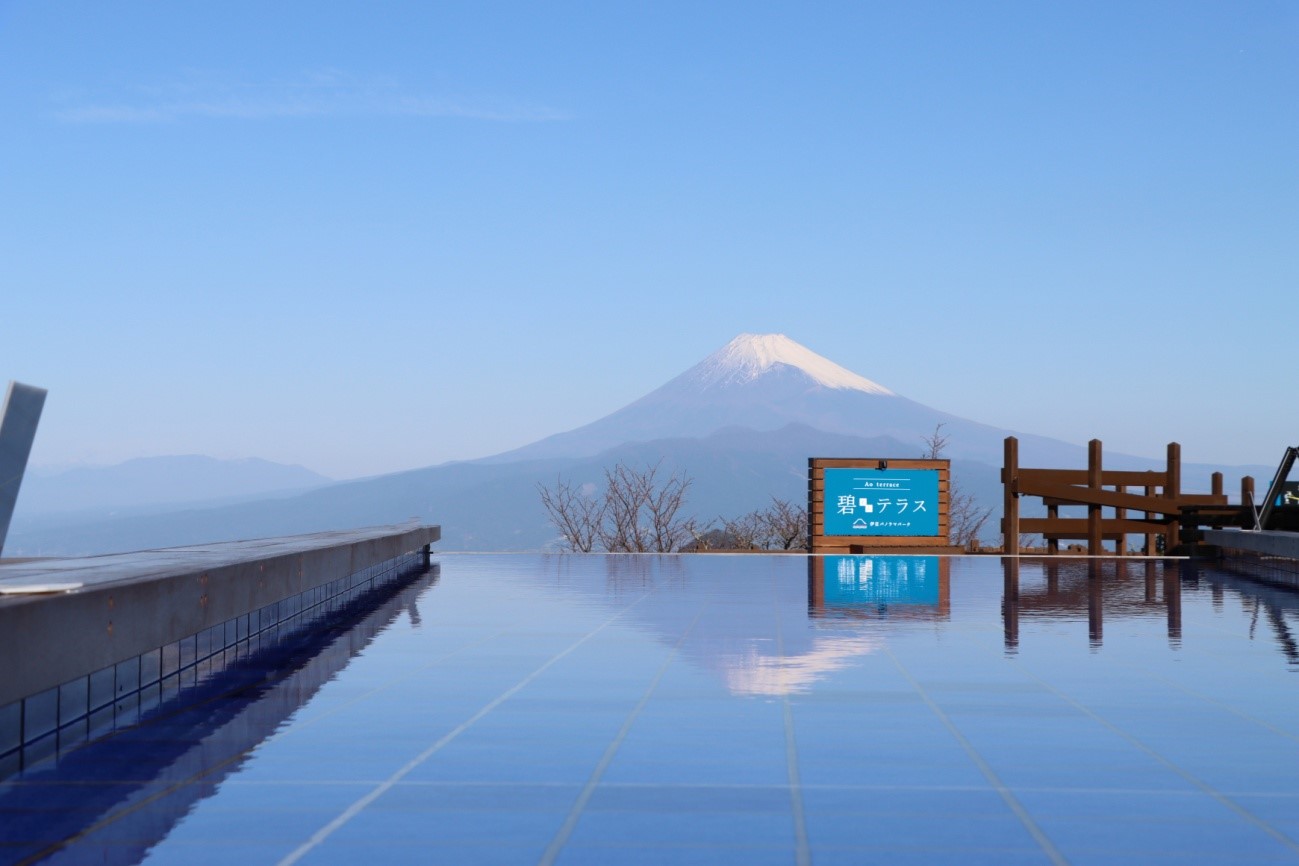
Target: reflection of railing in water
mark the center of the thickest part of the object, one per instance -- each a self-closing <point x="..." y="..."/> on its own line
<point x="879" y="587"/>
<point x="193" y="741"/>
<point x="1085" y="583"/>
<point x="1270" y="601"/>
<point x="1108" y="588"/>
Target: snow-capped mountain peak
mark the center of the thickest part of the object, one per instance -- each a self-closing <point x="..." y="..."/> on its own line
<point x="749" y="356"/>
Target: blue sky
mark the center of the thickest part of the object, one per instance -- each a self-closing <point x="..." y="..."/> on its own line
<point x="366" y="236"/>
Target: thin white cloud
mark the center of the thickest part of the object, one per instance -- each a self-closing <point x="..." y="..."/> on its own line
<point x="321" y="93"/>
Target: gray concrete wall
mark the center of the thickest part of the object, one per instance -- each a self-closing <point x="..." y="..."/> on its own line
<point x="130" y="604"/>
<point x="1262" y="542"/>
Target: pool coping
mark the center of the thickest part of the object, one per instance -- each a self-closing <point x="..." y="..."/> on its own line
<point x="119" y="606"/>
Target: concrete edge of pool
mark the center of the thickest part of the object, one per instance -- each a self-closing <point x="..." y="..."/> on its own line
<point x="78" y="633"/>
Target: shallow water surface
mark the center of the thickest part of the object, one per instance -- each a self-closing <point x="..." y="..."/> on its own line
<point x="709" y="708"/>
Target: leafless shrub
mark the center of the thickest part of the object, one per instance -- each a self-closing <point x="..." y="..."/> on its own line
<point x="746" y="532"/>
<point x="703" y="537"/>
<point x="786" y="525"/>
<point x="1031" y="541"/>
<point x="780" y="526"/>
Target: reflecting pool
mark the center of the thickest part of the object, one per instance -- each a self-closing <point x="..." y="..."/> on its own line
<point x="719" y="709"/>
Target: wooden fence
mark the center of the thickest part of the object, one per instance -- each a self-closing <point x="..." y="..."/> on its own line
<point x="1113" y="513"/>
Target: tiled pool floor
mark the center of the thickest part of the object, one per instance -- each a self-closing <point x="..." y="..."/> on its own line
<point x="722" y="709"/>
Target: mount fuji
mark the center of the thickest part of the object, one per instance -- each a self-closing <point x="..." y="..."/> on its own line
<point x="764" y="382"/>
<point x="741" y="424"/>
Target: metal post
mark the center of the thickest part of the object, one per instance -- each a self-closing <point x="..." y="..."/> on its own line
<point x="18" y="420"/>
<point x="1278" y="484"/>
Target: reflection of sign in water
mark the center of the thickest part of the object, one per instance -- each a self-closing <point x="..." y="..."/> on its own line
<point x="856" y="580"/>
<point x="881" y="502"/>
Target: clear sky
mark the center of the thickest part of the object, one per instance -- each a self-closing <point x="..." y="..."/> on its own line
<point x="367" y="236"/>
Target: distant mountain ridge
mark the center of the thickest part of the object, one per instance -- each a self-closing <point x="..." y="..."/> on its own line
<point x="148" y="482"/>
<point x="741" y="424"/>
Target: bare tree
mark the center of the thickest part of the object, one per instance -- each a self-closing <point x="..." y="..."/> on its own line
<point x="786" y="525"/>
<point x="577" y="515"/>
<point x="636" y="512"/>
<point x="935" y="443"/>
<point x="625" y="493"/>
<point x="965" y="517"/>
<point x="662" y="505"/>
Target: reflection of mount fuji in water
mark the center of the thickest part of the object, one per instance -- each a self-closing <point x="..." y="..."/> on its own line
<point x="765" y="626"/>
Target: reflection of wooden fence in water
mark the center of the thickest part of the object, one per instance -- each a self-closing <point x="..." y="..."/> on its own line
<point x="1098" y="587"/>
<point x="1158" y="510"/>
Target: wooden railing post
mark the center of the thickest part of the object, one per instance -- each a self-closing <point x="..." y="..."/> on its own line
<point x="1150" y="547"/>
<point x="1173" y="492"/>
<point x="1010" y="500"/>
<point x="1119" y="514"/>
<point x="1053" y="544"/>
<point x="1094" y="545"/>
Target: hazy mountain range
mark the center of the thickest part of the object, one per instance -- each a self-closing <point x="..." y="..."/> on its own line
<point x="742" y="423"/>
<point x="152" y="482"/>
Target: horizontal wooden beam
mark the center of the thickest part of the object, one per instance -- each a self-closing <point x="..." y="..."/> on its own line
<point x="1093" y="496"/>
<point x="1202" y="499"/>
<point x="1109" y="477"/>
<point x="1076" y="527"/>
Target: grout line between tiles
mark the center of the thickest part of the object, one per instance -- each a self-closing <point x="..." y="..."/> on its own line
<point x="1170" y="764"/>
<point x="357" y="807"/>
<point x="570" y="822"/>
<point x="802" y="850"/>
<point x="1006" y="794"/>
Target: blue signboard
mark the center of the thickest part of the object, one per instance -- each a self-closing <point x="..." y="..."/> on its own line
<point x="874" y="580"/>
<point x="881" y="502"/>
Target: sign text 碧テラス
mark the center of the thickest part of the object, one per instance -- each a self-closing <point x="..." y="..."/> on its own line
<point x="881" y="502"/>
